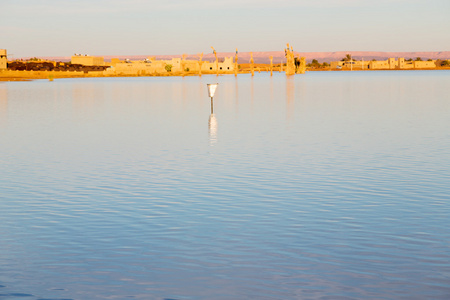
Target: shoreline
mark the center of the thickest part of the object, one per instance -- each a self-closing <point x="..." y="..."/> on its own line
<point x="9" y="75"/>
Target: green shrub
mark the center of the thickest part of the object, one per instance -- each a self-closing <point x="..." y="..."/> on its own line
<point x="168" y="68"/>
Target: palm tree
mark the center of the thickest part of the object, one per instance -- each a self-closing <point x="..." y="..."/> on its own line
<point x="347" y="57"/>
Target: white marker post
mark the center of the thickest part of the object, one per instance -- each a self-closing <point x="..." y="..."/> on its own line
<point x="211" y="91"/>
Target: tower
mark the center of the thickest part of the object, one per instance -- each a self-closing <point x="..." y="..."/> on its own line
<point x="271" y="65"/>
<point x="200" y="56"/>
<point x="183" y="63"/>
<point x="290" y="61"/>
<point x="236" y="63"/>
<point x="3" y="59"/>
<point x="252" y="64"/>
<point x="217" y="61"/>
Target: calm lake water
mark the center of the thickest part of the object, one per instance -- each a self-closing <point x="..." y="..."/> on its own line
<point x="328" y="185"/>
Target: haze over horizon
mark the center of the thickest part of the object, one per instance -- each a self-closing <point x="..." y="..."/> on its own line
<point x="136" y="27"/>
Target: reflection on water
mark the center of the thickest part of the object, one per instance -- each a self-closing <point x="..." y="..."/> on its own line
<point x="290" y="93"/>
<point x="110" y="189"/>
<point x="236" y="96"/>
<point x="212" y="125"/>
<point x="252" y="91"/>
<point x="3" y="105"/>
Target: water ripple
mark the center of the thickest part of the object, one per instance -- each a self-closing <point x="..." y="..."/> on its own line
<point x="310" y="194"/>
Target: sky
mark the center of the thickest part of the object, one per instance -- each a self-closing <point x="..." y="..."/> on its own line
<point x="140" y="27"/>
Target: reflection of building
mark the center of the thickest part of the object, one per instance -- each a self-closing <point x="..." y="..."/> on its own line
<point x="389" y="64"/>
<point x="290" y="95"/>
<point x="3" y="59"/>
<point x="3" y="105"/>
<point x="86" y="60"/>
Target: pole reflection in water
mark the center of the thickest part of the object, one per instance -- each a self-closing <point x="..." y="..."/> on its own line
<point x="212" y="125"/>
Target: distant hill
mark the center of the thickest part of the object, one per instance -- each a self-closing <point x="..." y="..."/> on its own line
<point x="278" y="56"/>
<point x="263" y="57"/>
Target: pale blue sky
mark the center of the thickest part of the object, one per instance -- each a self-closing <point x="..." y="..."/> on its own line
<point x="139" y="27"/>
